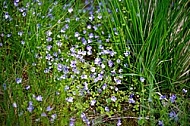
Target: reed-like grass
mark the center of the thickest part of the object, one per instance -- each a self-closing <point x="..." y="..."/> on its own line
<point x="101" y="62"/>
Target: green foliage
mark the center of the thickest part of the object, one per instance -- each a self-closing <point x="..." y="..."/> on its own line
<point x="105" y="62"/>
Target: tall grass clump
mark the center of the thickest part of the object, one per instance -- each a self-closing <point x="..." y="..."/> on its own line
<point x="94" y="62"/>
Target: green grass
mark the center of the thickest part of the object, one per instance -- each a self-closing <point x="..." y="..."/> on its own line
<point x="115" y="66"/>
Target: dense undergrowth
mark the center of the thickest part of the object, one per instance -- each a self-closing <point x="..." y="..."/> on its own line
<point x="96" y="63"/>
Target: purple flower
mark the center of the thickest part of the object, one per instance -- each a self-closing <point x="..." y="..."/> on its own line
<point x="91" y="17"/>
<point x="77" y="34"/>
<point x="24" y="14"/>
<point x="47" y="70"/>
<point x="127" y="53"/>
<point x="73" y="63"/>
<point x="39" y="98"/>
<point x="89" y="26"/>
<point x="70" y="10"/>
<point x="85" y="119"/>
<point x="4" y="86"/>
<point x="119" y="122"/>
<point x="93" y="69"/>
<point x="49" y="108"/>
<point x="20" y="33"/>
<point x="104" y="86"/>
<point x="14" y="105"/>
<point x="69" y="99"/>
<point x="120" y="70"/>
<point x="93" y="102"/>
<point x="48" y="56"/>
<point x="142" y="79"/>
<point x="49" y="47"/>
<point x="100" y="76"/>
<point x="48" y="33"/>
<point x="30" y="107"/>
<point x="113" y="98"/>
<point x="59" y="43"/>
<point x="131" y="100"/>
<point x="22" y="42"/>
<point x="84" y="42"/>
<point x="160" y="123"/>
<point x="118" y="61"/>
<point x="89" y="47"/>
<point x="162" y="97"/>
<point x="59" y="67"/>
<point x="107" y="109"/>
<point x="83" y="76"/>
<point x="103" y="66"/>
<point x="9" y="35"/>
<point x="72" y="122"/>
<point x="173" y="115"/>
<point x="110" y="63"/>
<point x="173" y="98"/>
<point x="27" y="87"/>
<point x="118" y="81"/>
<point x="43" y="114"/>
<point x="49" y="39"/>
<point x="85" y="86"/>
<point x="18" y="80"/>
<point x="66" y="87"/>
<point x="184" y="91"/>
<point x="53" y="117"/>
<point x="91" y="35"/>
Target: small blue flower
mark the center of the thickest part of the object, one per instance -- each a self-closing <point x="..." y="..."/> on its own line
<point x="48" y="47"/>
<point x="160" y="123"/>
<point x="107" y="109"/>
<point x="49" y="108"/>
<point x="77" y="34"/>
<point x="59" y="44"/>
<point x="173" y="115"/>
<point x="118" y="81"/>
<point x="69" y="99"/>
<point x="53" y="117"/>
<point x="66" y="88"/>
<point x="110" y="63"/>
<point x="162" y="97"/>
<point x="91" y="35"/>
<point x="70" y="10"/>
<point x="39" y="98"/>
<point x="49" y="39"/>
<point x="72" y="122"/>
<point x="184" y="91"/>
<point x="18" y="80"/>
<point x="22" y="42"/>
<point x="142" y="79"/>
<point x="113" y="98"/>
<point x="173" y="98"/>
<point x="93" y="102"/>
<point x="30" y="107"/>
<point x="84" y="76"/>
<point x="24" y="14"/>
<point x="131" y="100"/>
<point x="27" y="87"/>
<point x="119" y="122"/>
<point x="20" y="33"/>
<point x="43" y="114"/>
<point x="104" y="86"/>
<point x="48" y="33"/>
<point x="93" y="69"/>
<point x="14" y="105"/>
<point x="4" y="86"/>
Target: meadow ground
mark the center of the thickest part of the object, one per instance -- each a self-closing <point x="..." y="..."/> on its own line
<point x="94" y="63"/>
